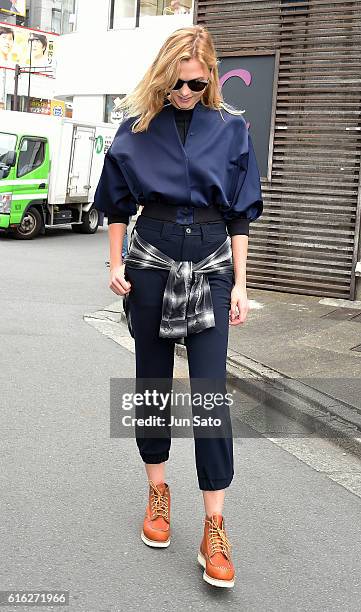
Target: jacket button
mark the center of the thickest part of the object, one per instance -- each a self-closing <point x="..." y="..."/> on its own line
<point x="188" y="230"/>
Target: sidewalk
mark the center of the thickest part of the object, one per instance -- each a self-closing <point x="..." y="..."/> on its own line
<point x="308" y="338"/>
<point x="303" y="358"/>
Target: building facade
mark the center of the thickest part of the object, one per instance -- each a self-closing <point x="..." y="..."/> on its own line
<point x="308" y="239"/>
<point x="106" y="56"/>
<point x="29" y="31"/>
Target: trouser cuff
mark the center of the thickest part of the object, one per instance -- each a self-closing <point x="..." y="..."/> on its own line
<point x="215" y="484"/>
<point x="155" y="458"/>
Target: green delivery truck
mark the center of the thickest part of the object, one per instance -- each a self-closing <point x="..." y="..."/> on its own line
<point x="49" y="170"/>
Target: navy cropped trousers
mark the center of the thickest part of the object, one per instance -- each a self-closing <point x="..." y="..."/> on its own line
<point x="206" y="350"/>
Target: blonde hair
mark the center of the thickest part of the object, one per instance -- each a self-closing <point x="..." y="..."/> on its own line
<point x="147" y="99"/>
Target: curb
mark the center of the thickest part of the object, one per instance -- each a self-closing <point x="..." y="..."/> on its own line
<point x="319" y="412"/>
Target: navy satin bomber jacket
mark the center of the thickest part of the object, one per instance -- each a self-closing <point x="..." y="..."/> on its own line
<point x="215" y="165"/>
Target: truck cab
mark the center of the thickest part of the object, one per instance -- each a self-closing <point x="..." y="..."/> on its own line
<point x="24" y="175"/>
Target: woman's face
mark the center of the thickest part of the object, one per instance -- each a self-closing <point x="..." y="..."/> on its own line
<point x="37" y="47"/>
<point x="186" y="98"/>
<point x="6" y="43"/>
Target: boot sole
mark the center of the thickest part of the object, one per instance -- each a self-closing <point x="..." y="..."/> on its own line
<point x="154" y="543"/>
<point x="213" y="581"/>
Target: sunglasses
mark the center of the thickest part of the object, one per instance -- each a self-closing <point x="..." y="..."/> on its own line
<point x="193" y="84"/>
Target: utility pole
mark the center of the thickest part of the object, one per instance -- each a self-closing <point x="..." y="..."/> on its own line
<point x="3" y="92"/>
<point x="31" y="39"/>
<point x="16" y="88"/>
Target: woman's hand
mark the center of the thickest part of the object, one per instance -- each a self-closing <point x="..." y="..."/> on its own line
<point x="117" y="283"/>
<point x="239" y="305"/>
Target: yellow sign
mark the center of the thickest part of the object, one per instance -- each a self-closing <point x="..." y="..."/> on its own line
<point x="15" y="7"/>
<point x="42" y="106"/>
<point x="57" y="108"/>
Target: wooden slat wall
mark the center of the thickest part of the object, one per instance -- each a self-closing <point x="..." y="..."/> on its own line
<point x="306" y="241"/>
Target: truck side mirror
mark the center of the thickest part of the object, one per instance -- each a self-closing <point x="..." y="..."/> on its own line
<point x="10" y="159"/>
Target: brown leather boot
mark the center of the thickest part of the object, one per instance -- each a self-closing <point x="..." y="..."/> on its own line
<point x="156" y="524"/>
<point x="214" y="554"/>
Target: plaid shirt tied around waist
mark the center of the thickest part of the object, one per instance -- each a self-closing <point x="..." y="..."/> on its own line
<point x="187" y="302"/>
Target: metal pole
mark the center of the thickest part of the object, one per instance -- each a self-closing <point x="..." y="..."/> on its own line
<point x="16" y="88"/>
<point x="3" y="93"/>
<point x="31" y="51"/>
<point x="137" y="14"/>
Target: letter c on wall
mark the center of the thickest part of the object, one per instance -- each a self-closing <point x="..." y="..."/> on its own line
<point x="244" y="75"/>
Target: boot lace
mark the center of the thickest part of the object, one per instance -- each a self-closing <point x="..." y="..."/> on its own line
<point x="159" y="502"/>
<point x="218" y="539"/>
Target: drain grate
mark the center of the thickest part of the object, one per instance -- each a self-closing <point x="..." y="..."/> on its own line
<point x="344" y="314"/>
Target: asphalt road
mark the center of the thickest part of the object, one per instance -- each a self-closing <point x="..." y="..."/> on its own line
<point x="73" y="499"/>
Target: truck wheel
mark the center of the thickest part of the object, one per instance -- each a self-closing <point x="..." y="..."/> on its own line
<point x="30" y="226"/>
<point x="90" y="222"/>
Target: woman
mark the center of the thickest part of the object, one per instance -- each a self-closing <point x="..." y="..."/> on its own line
<point x="187" y="158"/>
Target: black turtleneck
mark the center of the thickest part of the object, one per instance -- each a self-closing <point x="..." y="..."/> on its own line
<point x="183" y="118"/>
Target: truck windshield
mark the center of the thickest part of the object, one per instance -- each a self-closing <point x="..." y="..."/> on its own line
<point x="7" y="143"/>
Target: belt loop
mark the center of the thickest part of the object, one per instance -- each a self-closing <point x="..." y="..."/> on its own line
<point x="204" y="230"/>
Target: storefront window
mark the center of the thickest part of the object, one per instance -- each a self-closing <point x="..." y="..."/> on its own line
<point x="127" y="13"/>
<point x="63" y="16"/>
<point x="122" y="14"/>
<point x="165" y="7"/>
<point x="56" y="20"/>
<point x="111" y="114"/>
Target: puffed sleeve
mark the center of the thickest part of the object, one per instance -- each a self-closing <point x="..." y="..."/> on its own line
<point x="112" y="195"/>
<point x="247" y="204"/>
